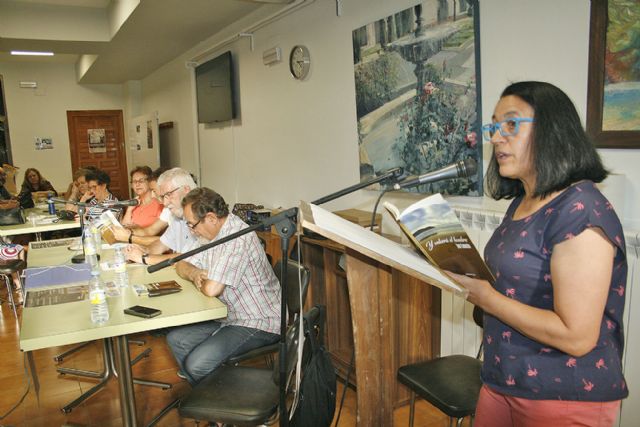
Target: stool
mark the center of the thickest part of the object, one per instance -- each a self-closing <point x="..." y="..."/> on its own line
<point x="7" y="268"/>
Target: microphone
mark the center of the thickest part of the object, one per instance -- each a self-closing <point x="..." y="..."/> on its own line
<point x="132" y="202"/>
<point x="462" y="169"/>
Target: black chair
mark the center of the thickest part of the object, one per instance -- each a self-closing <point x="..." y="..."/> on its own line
<point x="294" y="286"/>
<point x="451" y="383"/>
<point x="243" y="395"/>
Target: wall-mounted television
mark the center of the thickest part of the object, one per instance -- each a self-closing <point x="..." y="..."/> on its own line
<point x="215" y="91"/>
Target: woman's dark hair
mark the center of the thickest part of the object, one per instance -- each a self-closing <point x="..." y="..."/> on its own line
<point x="144" y="170"/>
<point x="157" y="172"/>
<point x="562" y="152"/>
<point x="100" y="176"/>
<point x="204" y="200"/>
<point x="25" y="181"/>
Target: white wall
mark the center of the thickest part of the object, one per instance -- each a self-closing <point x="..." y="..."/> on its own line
<point x="42" y="112"/>
<point x="298" y="140"/>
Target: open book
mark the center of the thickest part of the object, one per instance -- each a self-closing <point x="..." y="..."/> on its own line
<point x="375" y="246"/>
<point x="434" y="229"/>
<point x="105" y="224"/>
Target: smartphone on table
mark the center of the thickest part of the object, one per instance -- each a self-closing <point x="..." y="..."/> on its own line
<point x="141" y="311"/>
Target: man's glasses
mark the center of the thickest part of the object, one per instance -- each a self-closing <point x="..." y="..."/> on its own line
<point x="169" y="193"/>
<point x="192" y="226"/>
<point x="508" y="127"/>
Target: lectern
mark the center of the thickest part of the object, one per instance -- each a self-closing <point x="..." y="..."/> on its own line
<point x="389" y="299"/>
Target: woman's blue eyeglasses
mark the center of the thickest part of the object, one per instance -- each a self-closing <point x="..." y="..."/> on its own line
<point x="508" y="127"/>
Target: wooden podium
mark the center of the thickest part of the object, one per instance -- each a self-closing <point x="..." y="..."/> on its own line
<point x="394" y="316"/>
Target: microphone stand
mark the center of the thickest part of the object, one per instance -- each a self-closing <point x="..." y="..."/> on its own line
<point x="285" y="223"/>
<point x="80" y="258"/>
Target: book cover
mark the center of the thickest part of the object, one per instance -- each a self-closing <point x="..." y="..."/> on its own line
<point x="158" y="288"/>
<point x="434" y="229"/>
<point x="105" y="224"/>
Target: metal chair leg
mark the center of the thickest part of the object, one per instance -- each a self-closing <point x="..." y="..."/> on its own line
<point x="7" y="280"/>
<point x="163" y="412"/>
<point x="413" y="408"/>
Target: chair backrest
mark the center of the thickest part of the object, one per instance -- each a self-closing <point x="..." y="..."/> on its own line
<point x="293" y="289"/>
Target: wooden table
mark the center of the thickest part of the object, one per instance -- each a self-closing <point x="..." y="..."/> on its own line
<point x="70" y="323"/>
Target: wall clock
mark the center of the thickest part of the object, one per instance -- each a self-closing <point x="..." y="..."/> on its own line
<point x="299" y="62"/>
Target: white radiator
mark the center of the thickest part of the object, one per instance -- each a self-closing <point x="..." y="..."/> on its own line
<point x="460" y="335"/>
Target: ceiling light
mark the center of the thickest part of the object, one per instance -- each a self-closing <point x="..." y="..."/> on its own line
<point x="26" y="52"/>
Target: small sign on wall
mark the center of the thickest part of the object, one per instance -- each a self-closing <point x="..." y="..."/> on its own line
<point x="97" y="141"/>
<point x="43" y="143"/>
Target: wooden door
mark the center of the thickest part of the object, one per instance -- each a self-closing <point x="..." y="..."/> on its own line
<point x="113" y="160"/>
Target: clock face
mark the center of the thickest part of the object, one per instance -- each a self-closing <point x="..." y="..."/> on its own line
<point x="299" y="62"/>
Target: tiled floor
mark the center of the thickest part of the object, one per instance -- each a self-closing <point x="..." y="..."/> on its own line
<point x="103" y="409"/>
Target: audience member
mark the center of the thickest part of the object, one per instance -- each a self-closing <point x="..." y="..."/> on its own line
<point x="173" y="185"/>
<point x="239" y="274"/>
<point x="33" y="181"/>
<point x="98" y="182"/>
<point x="149" y="208"/>
<point x="6" y="200"/>
<point x="145" y="236"/>
<point x="78" y="186"/>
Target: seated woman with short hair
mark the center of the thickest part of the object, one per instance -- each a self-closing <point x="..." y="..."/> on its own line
<point x="149" y="208"/>
<point x="98" y="183"/>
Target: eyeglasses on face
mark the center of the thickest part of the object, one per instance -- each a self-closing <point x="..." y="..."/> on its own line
<point x="138" y="181"/>
<point x="508" y="127"/>
<point x="169" y="193"/>
<point x="192" y="226"/>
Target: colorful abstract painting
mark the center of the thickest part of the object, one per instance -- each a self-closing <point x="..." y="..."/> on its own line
<point x="622" y="67"/>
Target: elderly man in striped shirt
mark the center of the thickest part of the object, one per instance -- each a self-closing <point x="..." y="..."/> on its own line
<point x="239" y="274"/>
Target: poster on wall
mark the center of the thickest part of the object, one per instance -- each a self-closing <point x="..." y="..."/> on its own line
<point x="44" y="143"/>
<point x="97" y="141"/>
<point x="417" y="93"/>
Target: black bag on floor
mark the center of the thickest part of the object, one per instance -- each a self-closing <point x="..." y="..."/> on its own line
<point x="318" y="388"/>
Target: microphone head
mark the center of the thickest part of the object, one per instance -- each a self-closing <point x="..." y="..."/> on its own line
<point x="467" y="167"/>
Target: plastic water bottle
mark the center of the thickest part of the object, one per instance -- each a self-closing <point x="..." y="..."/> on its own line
<point x="98" y="299"/>
<point x="90" y="255"/>
<point x="97" y="238"/>
<point x="121" y="277"/>
<point x="52" y="206"/>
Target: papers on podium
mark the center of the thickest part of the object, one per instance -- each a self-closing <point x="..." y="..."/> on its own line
<point x="375" y="246"/>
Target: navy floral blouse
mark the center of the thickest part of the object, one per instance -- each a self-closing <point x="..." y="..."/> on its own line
<point x="519" y="255"/>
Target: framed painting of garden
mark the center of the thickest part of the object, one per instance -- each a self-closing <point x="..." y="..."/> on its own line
<point x="418" y="92"/>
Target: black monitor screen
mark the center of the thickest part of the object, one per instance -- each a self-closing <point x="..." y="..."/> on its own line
<point x="214" y="90"/>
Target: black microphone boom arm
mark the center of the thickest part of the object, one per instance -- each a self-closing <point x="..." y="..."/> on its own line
<point x="283" y="221"/>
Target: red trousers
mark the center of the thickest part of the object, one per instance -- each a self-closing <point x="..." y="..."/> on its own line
<point x="498" y="410"/>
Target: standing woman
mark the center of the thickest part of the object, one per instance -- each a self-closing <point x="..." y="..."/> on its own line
<point x="33" y="181"/>
<point x="553" y="336"/>
<point x="149" y="208"/>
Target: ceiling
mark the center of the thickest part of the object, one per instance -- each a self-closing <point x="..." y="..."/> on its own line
<point x="113" y="41"/>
